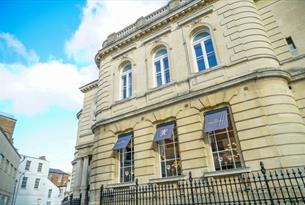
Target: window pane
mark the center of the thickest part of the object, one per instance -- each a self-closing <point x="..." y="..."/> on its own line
<point x="212" y="60"/>
<point x="130" y="84"/>
<point x="163" y="170"/>
<point x="170" y="151"/>
<point x="210" y="53"/>
<point x="166" y="70"/>
<point x="158" y="67"/>
<point x="128" y="175"/>
<point x="127" y="67"/>
<point x="171" y="168"/>
<point x="161" y="52"/>
<point x="122" y="175"/>
<point x="200" y="64"/>
<point x="209" y="46"/>
<point x="159" y="79"/>
<point x="124" y="84"/>
<point x="200" y="36"/>
<point x="128" y="160"/>
<point x="162" y="152"/>
<point x="198" y="50"/>
<point x="199" y="57"/>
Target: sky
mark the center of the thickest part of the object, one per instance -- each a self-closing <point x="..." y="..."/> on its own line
<point x="47" y="50"/>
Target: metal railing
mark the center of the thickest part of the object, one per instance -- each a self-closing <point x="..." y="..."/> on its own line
<point x="71" y="201"/>
<point x="284" y="186"/>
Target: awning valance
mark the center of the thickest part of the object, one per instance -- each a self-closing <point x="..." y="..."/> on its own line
<point x="216" y="120"/>
<point x="164" y="132"/>
<point x="122" y="142"/>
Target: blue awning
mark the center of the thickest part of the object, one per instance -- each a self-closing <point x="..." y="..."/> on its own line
<point x="164" y="132"/>
<point x="122" y="142"/>
<point x="216" y="120"/>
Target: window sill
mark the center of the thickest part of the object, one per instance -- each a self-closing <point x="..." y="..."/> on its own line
<point x="198" y="73"/>
<point x="160" y="87"/>
<point x="227" y="172"/>
<point x="124" y="100"/>
<point x="119" y="185"/>
<point x="167" y="179"/>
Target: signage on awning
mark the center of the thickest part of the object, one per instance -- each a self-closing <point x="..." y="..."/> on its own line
<point x="216" y="120"/>
<point x="122" y="142"/>
<point x="164" y="132"/>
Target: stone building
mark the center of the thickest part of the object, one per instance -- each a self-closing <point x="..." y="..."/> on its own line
<point x="9" y="159"/>
<point x="84" y="144"/>
<point x="212" y="87"/>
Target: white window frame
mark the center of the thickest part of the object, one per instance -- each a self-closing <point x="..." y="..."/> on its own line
<point x="37" y="182"/>
<point x="128" y="81"/>
<point x="50" y="193"/>
<point x="162" y="144"/>
<point x="39" y="168"/>
<point x="162" y="69"/>
<point x="28" y="165"/>
<point x="25" y="180"/>
<point x="204" y="53"/>
<point x="132" y="161"/>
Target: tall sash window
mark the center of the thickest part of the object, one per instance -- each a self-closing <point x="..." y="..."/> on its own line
<point x="126" y="82"/>
<point x="161" y="64"/>
<point x="204" y="51"/>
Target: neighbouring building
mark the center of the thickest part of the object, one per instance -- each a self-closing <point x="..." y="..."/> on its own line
<point x="9" y="159"/>
<point x="61" y="179"/>
<point x="34" y="187"/>
<point x="207" y="86"/>
<point x="85" y="140"/>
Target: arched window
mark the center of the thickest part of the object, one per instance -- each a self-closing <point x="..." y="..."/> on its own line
<point x="126" y="81"/>
<point x="204" y="50"/>
<point x="162" y="75"/>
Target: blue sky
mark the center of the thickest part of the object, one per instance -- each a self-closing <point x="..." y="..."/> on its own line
<point x="47" y="51"/>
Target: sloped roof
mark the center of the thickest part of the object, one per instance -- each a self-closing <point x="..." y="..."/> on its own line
<point x="57" y="171"/>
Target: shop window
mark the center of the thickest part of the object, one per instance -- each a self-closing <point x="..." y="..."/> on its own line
<point x="222" y="138"/>
<point x="168" y="147"/>
<point x="125" y="147"/>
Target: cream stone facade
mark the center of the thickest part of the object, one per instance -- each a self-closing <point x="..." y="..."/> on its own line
<point x="84" y="143"/>
<point x="257" y="74"/>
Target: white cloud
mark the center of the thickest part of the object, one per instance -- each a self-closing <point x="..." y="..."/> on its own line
<point x="101" y="18"/>
<point x="36" y="88"/>
<point x="16" y="46"/>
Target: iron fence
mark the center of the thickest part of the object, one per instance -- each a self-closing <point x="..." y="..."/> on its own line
<point x="71" y="201"/>
<point x="272" y="187"/>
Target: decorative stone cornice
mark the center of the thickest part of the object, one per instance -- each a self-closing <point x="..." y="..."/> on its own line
<point x="88" y="86"/>
<point x="257" y="74"/>
<point x="144" y="26"/>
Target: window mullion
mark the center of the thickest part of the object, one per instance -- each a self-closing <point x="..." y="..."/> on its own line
<point x="204" y="54"/>
<point x="162" y="70"/>
<point x="165" y="159"/>
<point x="175" y="155"/>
